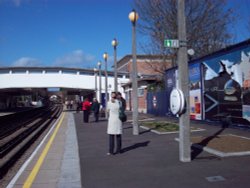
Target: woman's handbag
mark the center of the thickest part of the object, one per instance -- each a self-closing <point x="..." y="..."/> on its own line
<point x="122" y="115"/>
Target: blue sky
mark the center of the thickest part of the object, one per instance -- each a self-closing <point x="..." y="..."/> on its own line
<point x="74" y="33"/>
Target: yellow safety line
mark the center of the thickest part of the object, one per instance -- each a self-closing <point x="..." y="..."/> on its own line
<point x="35" y="170"/>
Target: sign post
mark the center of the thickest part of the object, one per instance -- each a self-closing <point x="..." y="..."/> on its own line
<point x="184" y="120"/>
<point x="183" y="85"/>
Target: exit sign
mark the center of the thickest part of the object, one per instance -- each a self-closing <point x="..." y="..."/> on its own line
<point x="171" y="43"/>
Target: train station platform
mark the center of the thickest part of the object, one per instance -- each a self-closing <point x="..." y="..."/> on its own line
<point x="55" y="162"/>
<point x="74" y="155"/>
<point x="151" y="160"/>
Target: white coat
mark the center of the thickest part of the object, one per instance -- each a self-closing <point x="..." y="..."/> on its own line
<point x="114" y="123"/>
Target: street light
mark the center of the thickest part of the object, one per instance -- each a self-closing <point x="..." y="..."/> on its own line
<point x="105" y="57"/>
<point x="95" y="72"/>
<point x="100" y="81"/>
<point x="115" y="44"/>
<point x="133" y="17"/>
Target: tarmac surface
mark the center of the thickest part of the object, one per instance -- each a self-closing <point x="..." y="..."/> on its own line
<point x="152" y="161"/>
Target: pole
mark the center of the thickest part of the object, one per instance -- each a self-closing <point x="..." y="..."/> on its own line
<point x="100" y="85"/>
<point x="115" y="63"/>
<point x="134" y="83"/>
<point x="106" y="89"/>
<point x="96" y="83"/>
<point x="183" y="82"/>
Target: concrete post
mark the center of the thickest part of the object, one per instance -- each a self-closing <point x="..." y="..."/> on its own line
<point x="183" y="83"/>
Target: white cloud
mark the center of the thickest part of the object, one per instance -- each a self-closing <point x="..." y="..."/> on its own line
<point x="75" y="59"/>
<point x="26" y="62"/>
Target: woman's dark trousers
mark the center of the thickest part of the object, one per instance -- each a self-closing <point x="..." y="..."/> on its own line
<point x="112" y="143"/>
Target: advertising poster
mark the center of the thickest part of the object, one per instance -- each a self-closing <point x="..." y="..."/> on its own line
<point x="195" y="91"/>
<point x="170" y="83"/>
<point x="245" y="66"/>
<point x="226" y="86"/>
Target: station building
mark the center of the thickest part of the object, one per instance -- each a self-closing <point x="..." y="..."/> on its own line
<point x="150" y="69"/>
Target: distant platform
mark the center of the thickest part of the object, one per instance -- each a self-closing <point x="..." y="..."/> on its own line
<point x="5" y="112"/>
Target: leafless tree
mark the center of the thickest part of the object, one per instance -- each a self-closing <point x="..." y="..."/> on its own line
<point x="207" y="24"/>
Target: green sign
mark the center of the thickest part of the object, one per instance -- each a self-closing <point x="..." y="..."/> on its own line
<point x="171" y="43"/>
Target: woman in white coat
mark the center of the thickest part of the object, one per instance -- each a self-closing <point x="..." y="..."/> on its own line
<point x="114" y="125"/>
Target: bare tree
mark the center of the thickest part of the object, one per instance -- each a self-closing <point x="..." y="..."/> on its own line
<point x="207" y="23"/>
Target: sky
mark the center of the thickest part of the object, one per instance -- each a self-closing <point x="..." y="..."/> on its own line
<point x="75" y="33"/>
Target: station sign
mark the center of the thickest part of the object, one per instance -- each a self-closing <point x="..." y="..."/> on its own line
<point x="171" y="43"/>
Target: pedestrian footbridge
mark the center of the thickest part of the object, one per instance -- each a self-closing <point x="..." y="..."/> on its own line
<point x="71" y="81"/>
<point x="51" y="77"/>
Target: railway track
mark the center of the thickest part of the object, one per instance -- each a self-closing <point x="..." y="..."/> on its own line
<point x="19" y="135"/>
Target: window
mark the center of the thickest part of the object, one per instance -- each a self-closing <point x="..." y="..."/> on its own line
<point x="35" y="71"/>
<point x="69" y="72"/>
<point x="87" y="73"/>
<point x="20" y="71"/>
<point x="4" y="71"/>
<point x="52" y="71"/>
<point x="140" y="92"/>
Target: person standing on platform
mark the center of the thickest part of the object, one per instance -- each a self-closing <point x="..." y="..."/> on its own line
<point x="114" y="125"/>
<point x="122" y="101"/>
<point x="95" y="108"/>
<point x="86" y="109"/>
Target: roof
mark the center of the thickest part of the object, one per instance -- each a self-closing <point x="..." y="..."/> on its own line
<point x="223" y="51"/>
<point x="147" y="79"/>
<point x="60" y="68"/>
<point x="215" y="54"/>
<point x="127" y="58"/>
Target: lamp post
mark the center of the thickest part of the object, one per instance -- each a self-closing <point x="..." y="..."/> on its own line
<point x="100" y="81"/>
<point x="133" y="17"/>
<point x="105" y="57"/>
<point x="115" y="44"/>
<point x="95" y="72"/>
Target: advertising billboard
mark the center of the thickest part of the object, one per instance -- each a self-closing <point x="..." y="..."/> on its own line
<point x="227" y="86"/>
<point x="195" y="91"/>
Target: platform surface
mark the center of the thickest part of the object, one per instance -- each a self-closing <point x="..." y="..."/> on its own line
<point x="77" y="158"/>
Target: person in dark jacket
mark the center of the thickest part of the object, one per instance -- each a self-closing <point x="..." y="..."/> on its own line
<point x="86" y="109"/>
<point x="122" y="100"/>
<point x="95" y="108"/>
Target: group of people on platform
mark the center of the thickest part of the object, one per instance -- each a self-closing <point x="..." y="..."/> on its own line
<point x="87" y="107"/>
<point x="114" y="129"/>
